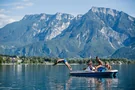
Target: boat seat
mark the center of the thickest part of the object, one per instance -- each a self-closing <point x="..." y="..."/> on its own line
<point x="101" y="69"/>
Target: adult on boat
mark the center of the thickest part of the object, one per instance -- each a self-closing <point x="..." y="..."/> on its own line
<point x="63" y="61"/>
<point x="102" y="67"/>
<point x="100" y="63"/>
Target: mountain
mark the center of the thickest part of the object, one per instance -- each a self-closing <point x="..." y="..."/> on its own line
<point x="34" y="28"/>
<point x="99" y="32"/>
<point x="125" y="52"/>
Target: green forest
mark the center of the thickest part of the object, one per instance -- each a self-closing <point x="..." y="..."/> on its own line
<point x="5" y="59"/>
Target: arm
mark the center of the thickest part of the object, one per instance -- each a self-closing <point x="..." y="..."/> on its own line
<point x="100" y="62"/>
<point x="110" y="67"/>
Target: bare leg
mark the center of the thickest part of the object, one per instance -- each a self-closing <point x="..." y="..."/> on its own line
<point x="96" y="67"/>
<point x="69" y="67"/>
<point x="59" y="60"/>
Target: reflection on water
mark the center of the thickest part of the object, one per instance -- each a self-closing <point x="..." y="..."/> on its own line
<point x="91" y="83"/>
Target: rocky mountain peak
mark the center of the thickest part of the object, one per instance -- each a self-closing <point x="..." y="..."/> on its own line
<point x="103" y="10"/>
<point x="78" y="16"/>
<point x="60" y="16"/>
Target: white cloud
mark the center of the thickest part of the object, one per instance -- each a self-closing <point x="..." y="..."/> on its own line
<point x="25" y="0"/>
<point x="4" y="20"/>
<point x="11" y="4"/>
<point x="2" y="10"/>
<point x="19" y="7"/>
<point x="3" y="16"/>
<point x="29" y="4"/>
<point x="23" y="5"/>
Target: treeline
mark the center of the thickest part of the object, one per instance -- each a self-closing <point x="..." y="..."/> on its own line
<point x="45" y="60"/>
<point x="109" y="60"/>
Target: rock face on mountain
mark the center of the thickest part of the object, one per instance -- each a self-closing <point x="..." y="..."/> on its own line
<point x="34" y="28"/>
<point x="99" y="32"/>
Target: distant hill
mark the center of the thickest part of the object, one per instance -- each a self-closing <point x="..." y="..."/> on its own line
<point x="125" y="52"/>
<point x="99" y="32"/>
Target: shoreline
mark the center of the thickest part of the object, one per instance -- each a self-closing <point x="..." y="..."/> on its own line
<point x="53" y="63"/>
<point x="35" y="64"/>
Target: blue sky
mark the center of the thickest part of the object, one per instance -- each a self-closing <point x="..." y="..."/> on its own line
<point x="14" y="10"/>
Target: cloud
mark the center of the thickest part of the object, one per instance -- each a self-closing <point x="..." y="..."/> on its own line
<point x="29" y="4"/>
<point x="11" y="4"/>
<point x="18" y="5"/>
<point x="23" y="5"/>
<point x="5" y="17"/>
<point x="4" y="20"/>
<point x="25" y="0"/>
<point x="2" y="10"/>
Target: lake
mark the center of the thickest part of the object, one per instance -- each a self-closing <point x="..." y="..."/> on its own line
<point x="47" y="77"/>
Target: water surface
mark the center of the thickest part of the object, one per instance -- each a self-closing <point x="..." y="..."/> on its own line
<point x="47" y="77"/>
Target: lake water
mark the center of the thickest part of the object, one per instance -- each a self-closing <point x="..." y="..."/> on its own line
<point x="47" y="77"/>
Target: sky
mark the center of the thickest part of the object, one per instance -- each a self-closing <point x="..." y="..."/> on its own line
<point x="15" y="10"/>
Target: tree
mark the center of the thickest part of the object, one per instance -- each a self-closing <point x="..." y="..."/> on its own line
<point x="1" y="59"/>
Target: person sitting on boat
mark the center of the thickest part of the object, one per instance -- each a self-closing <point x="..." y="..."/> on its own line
<point x="64" y="61"/>
<point x="100" y="63"/>
<point x="108" y="66"/>
<point x="90" y="67"/>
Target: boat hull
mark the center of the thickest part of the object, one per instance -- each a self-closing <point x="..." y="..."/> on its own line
<point x="107" y="73"/>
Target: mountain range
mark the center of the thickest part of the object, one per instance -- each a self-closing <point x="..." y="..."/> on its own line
<point x="102" y="32"/>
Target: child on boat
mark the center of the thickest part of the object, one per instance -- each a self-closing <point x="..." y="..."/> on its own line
<point x="108" y="66"/>
<point x="90" y="67"/>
